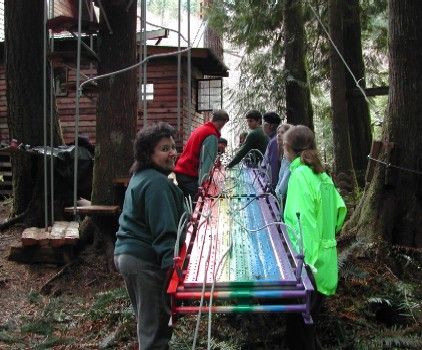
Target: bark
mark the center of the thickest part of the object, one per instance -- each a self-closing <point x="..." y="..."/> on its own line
<point x="344" y="172"/>
<point x="298" y="96"/>
<point x="117" y="101"/>
<point x="116" y="116"/>
<point x="212" y="39"/>
<point x="24" y="84"/>
<point x="391" y="207"/>
<point x="357" y="107"/>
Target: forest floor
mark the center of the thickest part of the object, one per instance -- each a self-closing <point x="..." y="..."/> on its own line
<point x="87" y="307"/>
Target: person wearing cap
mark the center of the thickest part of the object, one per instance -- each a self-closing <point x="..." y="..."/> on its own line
<point x="272" y="157"/>
<point x="222" y="145"/>
<point x="198" y="156"/>
<point x="255" y="140"/>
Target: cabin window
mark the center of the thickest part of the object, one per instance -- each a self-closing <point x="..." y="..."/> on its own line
<point x="210" y="94"/>
<point x="149" y="90"/>
<point x="60" y="81"/>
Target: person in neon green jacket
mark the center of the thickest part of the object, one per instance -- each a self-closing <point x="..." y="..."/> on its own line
<point x="311" y="194"/>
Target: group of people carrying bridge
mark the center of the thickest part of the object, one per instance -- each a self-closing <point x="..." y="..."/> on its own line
<point x="154" y="205"/>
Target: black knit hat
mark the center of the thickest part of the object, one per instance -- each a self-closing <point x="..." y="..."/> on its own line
<point x="272" y="118"/>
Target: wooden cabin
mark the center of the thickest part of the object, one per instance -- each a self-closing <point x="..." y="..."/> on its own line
<point x="161" y="92"/>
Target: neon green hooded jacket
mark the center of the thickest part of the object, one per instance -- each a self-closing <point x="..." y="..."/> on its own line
<point x="322" y="212"/>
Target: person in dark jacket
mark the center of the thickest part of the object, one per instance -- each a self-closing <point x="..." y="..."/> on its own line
<point x="255" y="140"/>
<point x="147" y="233"/>
<point x="272" y="157"/>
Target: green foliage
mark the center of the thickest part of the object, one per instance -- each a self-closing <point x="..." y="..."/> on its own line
<point x="34" y="297"/>
<point x="38" y="326"/>
<point x="8" y="338"/>
<point x="168" y="9"/>
<point x="255" y="27"/>
<point x="52" y="341"/>
<point x="108" y="301"/>
<point x="395" y="338"/>
<point x="253" y="24"/>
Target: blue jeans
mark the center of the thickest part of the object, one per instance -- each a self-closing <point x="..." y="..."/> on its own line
<point x="145" y="283"/>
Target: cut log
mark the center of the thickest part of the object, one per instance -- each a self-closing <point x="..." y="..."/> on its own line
<point x="62" y="233"/>
<point x="34" y="236"/>
<point x="38" y="254"/>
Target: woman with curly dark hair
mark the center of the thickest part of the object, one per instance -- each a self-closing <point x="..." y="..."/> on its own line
<point x="147" y="233"/>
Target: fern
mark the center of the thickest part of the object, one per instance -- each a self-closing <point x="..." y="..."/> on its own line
<point x="377" y="300"/>
<point x="351" y="271"/>
<point x="397" y="340"/>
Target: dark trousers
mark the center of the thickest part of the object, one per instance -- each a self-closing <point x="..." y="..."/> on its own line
<point x="301" y="336"/>
<point x="145" y="284"/>
<point x="188" y="185"/>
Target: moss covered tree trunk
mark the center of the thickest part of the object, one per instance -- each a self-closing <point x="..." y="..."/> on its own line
<point x="357" y="107"/>
<point x="298" y="97"/>
<point x="117" y="103"/>
<point x="24" y="83"/>
<point x="212" y="39"/>
<point x="344" y="172"/>
<point x="391" y="207"/>
<point x="116" y="113"/>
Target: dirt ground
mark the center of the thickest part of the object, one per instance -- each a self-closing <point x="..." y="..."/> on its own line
<point x="24" y="301"/>
<point x="87" y="307"/>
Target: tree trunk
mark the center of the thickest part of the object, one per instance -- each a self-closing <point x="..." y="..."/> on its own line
<point x="357" y="107"/>
<point x="116" y="115"/>
<point x="391" y="207"/>
<point x="117" y="100"/>
<point x="212" y="40"/>
<point x="345" y="175"/>
<point x="24" y="84"/>
<point x="298" y="96"/>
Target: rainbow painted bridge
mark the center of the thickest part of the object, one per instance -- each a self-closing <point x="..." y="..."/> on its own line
<point x="237" y="257"/>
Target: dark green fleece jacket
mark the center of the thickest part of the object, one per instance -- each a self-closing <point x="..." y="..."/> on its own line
<point x="148" y="223"/>
<point x="256" y="139"/>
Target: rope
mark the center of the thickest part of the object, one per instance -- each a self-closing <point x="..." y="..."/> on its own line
<point x="389" y="165"/>
<point x="98" y="77"/>
<point x="339" y="53"/>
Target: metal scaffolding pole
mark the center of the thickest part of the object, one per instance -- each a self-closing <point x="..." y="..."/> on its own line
<point x="179" y="63"/>
<point x="145" y="54"/>
<point x="52" y="109"/>
<point x="45" y="115"/>
<point x="189" y="75"/>
<point x="78" y="95"/>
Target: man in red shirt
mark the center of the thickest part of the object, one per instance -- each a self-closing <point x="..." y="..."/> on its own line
<point x="198" y="156"/>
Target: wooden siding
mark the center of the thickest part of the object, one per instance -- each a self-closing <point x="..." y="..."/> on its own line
<point x="162" y="74"/>
<point x="64" y="8"/>
<point x="4" y="131"/>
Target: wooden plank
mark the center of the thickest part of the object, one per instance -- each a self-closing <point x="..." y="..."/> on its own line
<point x="375" y="91"/>
<point x="95" y="210"/>
<point x="124" y="181"/>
